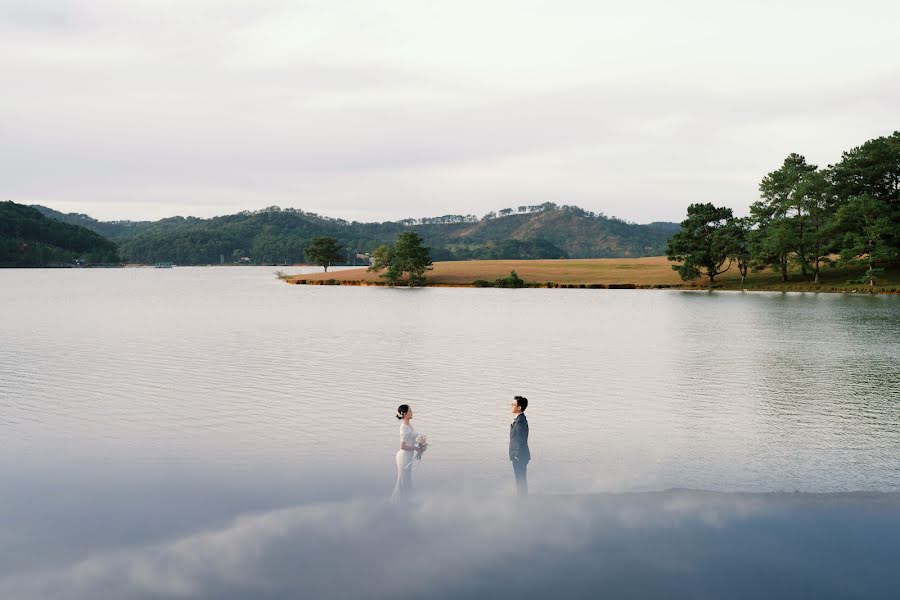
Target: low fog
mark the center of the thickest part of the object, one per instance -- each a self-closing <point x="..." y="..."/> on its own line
<point x="676" y="544"/>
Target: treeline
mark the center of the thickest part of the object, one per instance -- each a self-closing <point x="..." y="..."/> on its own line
<point x="281" y="236"/>
<point x="807" y="219"/>
<point x="29" y="239"/>
<point x="503" y="212"/>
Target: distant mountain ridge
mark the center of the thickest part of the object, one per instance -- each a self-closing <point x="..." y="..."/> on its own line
<point x="278" y="236"/>
<point x="108" y="229"/>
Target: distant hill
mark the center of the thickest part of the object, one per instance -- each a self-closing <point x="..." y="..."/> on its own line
<point x="110" y="229"/>
<point x="279" y="236"/>
<point x="575" y="232"/>
<point x="30" y="239"/>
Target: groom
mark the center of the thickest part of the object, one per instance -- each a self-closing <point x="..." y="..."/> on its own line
<point x="518" y="444"/>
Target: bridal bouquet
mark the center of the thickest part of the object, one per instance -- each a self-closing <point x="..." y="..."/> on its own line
<point x="421" y="444"/>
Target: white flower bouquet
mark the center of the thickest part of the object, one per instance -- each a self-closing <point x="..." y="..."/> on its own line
<point x="421" y="445"/>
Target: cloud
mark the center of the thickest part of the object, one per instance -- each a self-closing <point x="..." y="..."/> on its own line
<point x="355" y="109"/>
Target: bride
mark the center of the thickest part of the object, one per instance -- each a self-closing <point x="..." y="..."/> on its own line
<point x="408" y="447"/>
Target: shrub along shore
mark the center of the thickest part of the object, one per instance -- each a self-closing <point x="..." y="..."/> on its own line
<point x="607" y="273"/>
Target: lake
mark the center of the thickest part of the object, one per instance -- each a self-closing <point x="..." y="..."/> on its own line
<point x="141" y="406"/>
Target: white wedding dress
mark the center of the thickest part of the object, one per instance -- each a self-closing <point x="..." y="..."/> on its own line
<point x="404" y="464"/>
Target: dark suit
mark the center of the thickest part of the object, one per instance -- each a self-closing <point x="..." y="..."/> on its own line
<point x="519" y="453"/>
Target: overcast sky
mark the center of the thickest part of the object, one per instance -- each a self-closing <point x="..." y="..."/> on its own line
<point x="383" y="110"/>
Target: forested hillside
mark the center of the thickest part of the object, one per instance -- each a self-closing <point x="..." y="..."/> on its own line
<point x="278" y="236"/>
<point x="29" y="239"/>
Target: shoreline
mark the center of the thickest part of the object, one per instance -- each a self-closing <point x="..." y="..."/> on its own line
<point x="647" y="273"/>
<point x="615" y="286"/>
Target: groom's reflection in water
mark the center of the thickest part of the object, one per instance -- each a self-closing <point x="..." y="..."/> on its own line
<point x="519" y="454"/>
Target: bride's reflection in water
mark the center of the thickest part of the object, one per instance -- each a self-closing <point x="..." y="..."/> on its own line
<point x="405" y="455"/>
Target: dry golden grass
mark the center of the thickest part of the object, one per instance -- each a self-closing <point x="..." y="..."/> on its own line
<point x="639" y="271"/>
<point x="654" y="271"/>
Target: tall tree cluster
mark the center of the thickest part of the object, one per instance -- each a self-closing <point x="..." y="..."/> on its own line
<point x="407" y="255"/>
<point x="806" y="218"/>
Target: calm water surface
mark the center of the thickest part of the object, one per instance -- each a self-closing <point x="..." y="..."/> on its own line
<point x="629" y="390"/>
<point x="220" y="391"/>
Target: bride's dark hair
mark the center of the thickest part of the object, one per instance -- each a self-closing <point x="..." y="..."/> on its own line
<point x="402" y="410"/>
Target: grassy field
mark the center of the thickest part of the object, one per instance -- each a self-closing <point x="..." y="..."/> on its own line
<point x="648" y="272"/>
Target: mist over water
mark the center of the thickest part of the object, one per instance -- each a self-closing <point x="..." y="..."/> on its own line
<point x="650" y="545"/>
<point x="212" y="432"/>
